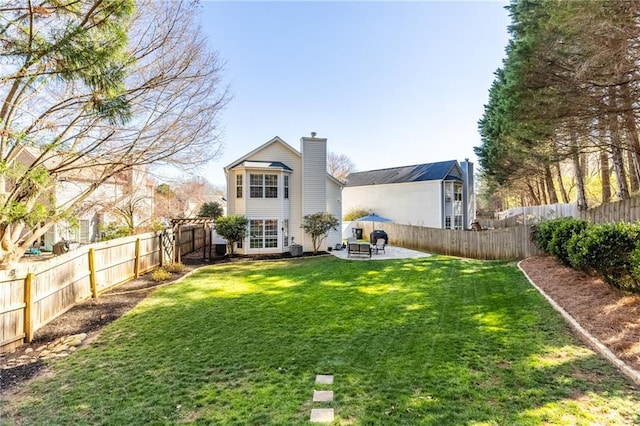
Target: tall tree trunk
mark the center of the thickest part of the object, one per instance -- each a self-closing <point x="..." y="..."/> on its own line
<point x="633" y="141"/>
<point x="563" y="190"/>
<point x="616" y="147"/>
<point x="633" y="176"/>
<point x="543" y="192"/>
<point x="532" y="195"/>
<point x="605" y="176"/>
<point x="605" y="170"/>
<point x="575" y="157"/>
<point x="551" y="188"/>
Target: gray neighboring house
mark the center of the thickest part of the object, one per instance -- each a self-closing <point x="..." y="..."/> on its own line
<point x="435" y="195"/>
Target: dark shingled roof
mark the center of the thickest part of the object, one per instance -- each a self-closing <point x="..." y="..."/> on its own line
<point x="417" y="173"/>
<point x="270" y="164"/>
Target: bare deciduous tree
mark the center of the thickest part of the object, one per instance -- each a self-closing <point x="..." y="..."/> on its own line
<point x="339" y="166"/>
<point x="91" y="89"/>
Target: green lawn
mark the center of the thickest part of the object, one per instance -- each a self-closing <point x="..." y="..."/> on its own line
<point x="426" y="341"/>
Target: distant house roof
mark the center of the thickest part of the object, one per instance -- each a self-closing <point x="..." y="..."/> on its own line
<point x="264" y="164"/>
<point x="417" y="173"/>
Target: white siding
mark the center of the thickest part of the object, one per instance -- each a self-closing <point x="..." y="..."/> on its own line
<point x="412" y="203"/>
<point x="279" y="152"/>
<point x="334" y="206"/>
<point x="270" y="208"/>
<point x="314" y="179"/>
<point x="320" y="193"/>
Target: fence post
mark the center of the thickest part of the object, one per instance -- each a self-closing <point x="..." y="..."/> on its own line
<point x="136" y="264"/>
<point x="92" y="273"/>
<point x="161" y="249"/>
<point x="28" y="308"/>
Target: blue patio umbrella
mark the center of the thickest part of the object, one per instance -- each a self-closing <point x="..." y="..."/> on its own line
<point x="373" y="218"/>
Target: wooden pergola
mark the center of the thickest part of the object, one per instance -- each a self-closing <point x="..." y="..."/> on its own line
<point x="178" y="224"/>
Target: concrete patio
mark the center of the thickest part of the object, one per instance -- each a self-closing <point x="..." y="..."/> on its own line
<point x="390" y="252"/>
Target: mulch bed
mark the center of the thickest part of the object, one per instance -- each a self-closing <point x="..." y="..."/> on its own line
<point x="611" y="315"/>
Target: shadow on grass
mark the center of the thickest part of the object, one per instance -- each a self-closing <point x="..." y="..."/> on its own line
<point x="425" y="341"/>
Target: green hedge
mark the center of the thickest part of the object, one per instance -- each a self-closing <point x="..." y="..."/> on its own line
<point x="611" y="250"/>
<point x="608" y="249"/>
<point x="542" y="233"/>
<point x="566" y="229"/>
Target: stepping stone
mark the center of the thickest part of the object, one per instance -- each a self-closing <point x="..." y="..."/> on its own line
<point x="322" y="396"/>
<point x="322" y="415"/>
<point x="325" y="379"/>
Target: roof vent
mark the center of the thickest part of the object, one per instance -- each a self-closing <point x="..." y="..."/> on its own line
<point x="313" y="134"/>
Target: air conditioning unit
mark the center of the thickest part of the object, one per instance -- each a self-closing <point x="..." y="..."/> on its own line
<point x="296" y="250"/>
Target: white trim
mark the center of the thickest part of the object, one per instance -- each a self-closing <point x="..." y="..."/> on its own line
<point x="260" y="148"/>
<point x="263" y="250"/>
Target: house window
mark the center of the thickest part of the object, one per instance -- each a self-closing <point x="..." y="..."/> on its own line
<point x="81" y="233"/>
<point x="271" y="186"/>
<point x="256" y="186"/>
<point x="263" y="186"/>
<point x="256" y="230"/>
<point x="447" y="222"/>
<point x="271" y="233"/>
<point x="457" y="221"/>
<point x="239" y="186"/>
<point x="263" y="233"/>
<point x="285" y="231"/>
<point x="286" y="186"/>
<point x="457" y="195"/>
<point x="448" y="192"/>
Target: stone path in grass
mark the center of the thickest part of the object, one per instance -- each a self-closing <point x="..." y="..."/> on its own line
<point x="322" y="415"/>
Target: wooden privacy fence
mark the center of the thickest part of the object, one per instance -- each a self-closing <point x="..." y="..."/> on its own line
<point x="619" y="211"/>
<point x="499" y="244"/>
<point x="41" y="291"/>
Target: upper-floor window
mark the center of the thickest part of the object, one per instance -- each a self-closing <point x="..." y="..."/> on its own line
<point x="238" y="186"/>
<point x="256" y="186"/>
<point x="286" y="186"/>
<point x="263" y="186"/>
<point x="457" y="193"/>
<point x="271" y="186"/>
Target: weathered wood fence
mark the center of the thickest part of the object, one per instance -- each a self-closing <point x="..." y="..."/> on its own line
<point x="619" y="211"/>
<point x="499" y="244"/>
<point x="36" y="293"/>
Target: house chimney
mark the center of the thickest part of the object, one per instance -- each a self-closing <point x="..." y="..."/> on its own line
<point x="314" y="174"/>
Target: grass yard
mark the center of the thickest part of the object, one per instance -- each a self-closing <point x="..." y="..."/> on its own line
<point x="435" y="341"/>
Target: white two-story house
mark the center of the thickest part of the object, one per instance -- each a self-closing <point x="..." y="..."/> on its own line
<point x="435" y="195"/>
<point x="275" y="186"/>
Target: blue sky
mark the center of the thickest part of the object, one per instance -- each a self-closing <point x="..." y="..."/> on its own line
<point x="387" y="83"/>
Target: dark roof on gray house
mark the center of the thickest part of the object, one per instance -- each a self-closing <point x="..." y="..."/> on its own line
<point x="442" y="170"/>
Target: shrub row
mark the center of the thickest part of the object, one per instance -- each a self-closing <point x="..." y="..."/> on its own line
<point x="611" y="250"/>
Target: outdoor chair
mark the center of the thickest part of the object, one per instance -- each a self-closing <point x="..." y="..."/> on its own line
<point x="34" y="250"/>
<point x="379" y="245"/>
<point x="358" y="249"/>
